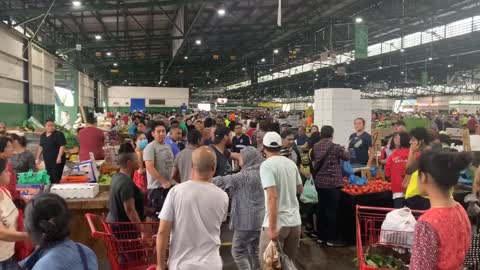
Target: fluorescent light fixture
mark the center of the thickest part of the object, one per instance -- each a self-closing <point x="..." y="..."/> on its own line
<point x="198" y="42"/>
<point x="263" y="60"/>
<point x="402" y="72"/>
<point x="276" y="51"/>
<point x="185" y="57"/>
<point x="221" y="12"/>
<point x="464" y="102"/>
<point x="76" y="3"/>
<point x="450" y="65"/>
<point x="430" y="58"/>
<point x="358" y="20"/>
<point x="380" y="67"/>
<point x="115" y="64"/>
<point x="109" y="54"/>
<point x="402" y="50"/>
<point x="316" y="79"/>
<point x="98" y="37"/>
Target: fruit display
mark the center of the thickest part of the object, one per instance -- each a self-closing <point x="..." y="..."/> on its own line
<point x="372" y="186"/>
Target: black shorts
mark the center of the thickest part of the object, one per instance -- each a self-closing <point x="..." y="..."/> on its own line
<point x="156" y="198"/>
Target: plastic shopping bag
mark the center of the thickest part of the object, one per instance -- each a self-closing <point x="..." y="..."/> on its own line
<point x="397" y="228"/>
<point x="275" y="259"/>
<point x="309" y="194"/>
<point x="357" y="180"/>
<point x="347" y="169"/>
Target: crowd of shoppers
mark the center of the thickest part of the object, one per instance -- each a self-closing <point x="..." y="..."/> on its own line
<point x="260" y="169"/>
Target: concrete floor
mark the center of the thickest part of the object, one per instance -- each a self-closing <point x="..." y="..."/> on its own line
<point x="310" y="255"/>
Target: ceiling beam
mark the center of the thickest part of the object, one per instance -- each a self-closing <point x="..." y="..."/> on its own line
<point x="94" y="7"/>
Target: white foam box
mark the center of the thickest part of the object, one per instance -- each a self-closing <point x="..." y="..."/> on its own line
<point x="76" y="191"/>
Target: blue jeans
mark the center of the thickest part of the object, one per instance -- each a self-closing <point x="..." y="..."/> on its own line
<point x="10" y="264"/>
<point x="245" y="249"/>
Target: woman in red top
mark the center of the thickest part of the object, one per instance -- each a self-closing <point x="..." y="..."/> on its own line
<point x="442" y="234"/>
<point x="396" y="166"/>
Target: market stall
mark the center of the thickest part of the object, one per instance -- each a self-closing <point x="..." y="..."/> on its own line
<point x="79" y="227"/>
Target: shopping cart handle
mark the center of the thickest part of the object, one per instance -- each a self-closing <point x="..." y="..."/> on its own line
<point x="93" y="229"/>
<point x="384" y="209"/>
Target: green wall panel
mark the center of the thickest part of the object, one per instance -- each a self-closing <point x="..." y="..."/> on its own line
<point x="13" y="114"/>
<point x="42" y="112"/>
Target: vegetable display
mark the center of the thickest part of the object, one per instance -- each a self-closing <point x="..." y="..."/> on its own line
<point x="372" y="186"/>
<point x="74" y="179"/>
<point x="383" y="261"/>
<point x="105" y="179"/>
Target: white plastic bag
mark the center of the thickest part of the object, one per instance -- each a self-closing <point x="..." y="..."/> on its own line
<point x="398" y="228"/>
<point x="309" y="194"/>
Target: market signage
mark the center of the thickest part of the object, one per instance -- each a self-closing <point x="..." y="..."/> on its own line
<point x="270" y="104"/>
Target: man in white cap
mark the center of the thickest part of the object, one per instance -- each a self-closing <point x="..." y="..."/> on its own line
<point x="281" y="182"/>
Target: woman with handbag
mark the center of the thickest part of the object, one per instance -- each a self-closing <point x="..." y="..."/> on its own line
<point x="328" y="178"/>
<point x="9" y="216"/>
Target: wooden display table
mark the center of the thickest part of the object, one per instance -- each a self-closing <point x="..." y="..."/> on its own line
<point x="79" y="229"/>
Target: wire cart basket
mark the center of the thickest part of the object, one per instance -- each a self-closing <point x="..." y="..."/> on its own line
<point x="373" y="241"/>
<point x="126" y="248"/>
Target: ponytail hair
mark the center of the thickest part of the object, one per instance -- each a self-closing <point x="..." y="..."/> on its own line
<point x="47" y="219"/>
<point x="444" y="166"/>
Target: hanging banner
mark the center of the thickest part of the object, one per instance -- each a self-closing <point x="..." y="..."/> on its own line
<point x="279" y="13"/>
<point x="361" y="41"/>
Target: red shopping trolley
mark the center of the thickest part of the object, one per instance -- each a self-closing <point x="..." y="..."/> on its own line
<point x="130" y="245"/>
<point x="374" y="243"/>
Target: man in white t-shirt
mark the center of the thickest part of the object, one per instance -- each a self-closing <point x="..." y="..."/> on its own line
<point x="193" y="213"/>
<point x="281" y="182"/>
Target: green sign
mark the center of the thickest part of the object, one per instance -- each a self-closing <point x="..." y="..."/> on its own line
<point x="361" y="41"/>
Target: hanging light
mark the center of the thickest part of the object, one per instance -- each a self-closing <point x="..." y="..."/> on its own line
<point x="185" y="57"/>
<point x="276" y="51"/>
<point x="221" y="12"/>
<point x="115" y="64"/>
<point x="76" y="3"/>
<point x="98" y="37"/>
<point x="109" y="54"/>
<point x="198" y="42"/>
<point x="358" y="20"/>
<point x="263" y="60"/>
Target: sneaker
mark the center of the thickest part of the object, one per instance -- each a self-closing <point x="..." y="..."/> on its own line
<point x="320" y="242"/>
<point x="335" y="244"/>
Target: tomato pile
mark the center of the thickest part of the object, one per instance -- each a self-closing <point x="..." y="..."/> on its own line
<point x="372" y="186"/>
